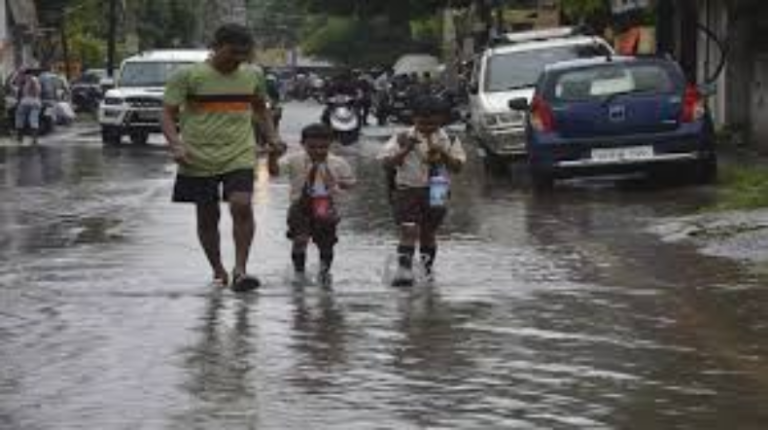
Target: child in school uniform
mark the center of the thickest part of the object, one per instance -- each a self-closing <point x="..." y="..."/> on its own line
<point x="420" y="161"/>
<point x="317" y="178"/>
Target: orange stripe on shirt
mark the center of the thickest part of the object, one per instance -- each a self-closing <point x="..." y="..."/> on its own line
<point x="220" y="106"/>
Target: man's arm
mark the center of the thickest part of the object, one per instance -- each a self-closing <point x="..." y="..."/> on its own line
<point x="175" y="144"/>
<point x="263" y="118"/>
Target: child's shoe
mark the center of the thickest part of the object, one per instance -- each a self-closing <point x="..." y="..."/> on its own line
<point x="300" y="279"/>
<point x="324" y="278"/>
<point x="403" y="277"/>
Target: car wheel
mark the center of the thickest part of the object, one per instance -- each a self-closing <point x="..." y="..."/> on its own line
<point x="110" y="136"/>
<point x="705" y="171"/>
<point x="542" y="181"/>
<point x="139" y="137"/>
<point x="494" y="164"/>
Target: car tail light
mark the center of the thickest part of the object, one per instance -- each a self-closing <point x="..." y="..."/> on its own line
<point x="542" y="118"/>
<point x="693" y="105"/>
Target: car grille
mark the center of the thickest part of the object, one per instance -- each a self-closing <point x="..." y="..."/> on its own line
<point x="144" y="102"/>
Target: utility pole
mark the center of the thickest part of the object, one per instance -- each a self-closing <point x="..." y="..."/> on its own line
<point x="65" y="46"/>
<point x="112" y="38"/>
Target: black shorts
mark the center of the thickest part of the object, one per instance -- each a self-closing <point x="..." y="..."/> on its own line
<point x="411" y="206"/>
<point x="301" y="223"/>
<point x="212" y="189"/>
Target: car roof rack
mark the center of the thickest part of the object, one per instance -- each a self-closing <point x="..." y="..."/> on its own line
<point x="538" y="35"/>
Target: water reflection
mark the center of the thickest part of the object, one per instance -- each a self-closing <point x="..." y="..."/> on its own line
<point x="320" y="332"/>
<point x="33" y="166"/>
<point x="220" y="367"/>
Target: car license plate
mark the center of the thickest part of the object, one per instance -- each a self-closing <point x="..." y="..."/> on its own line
<point x="612" y="155"/>
<point x="148" y="115"/>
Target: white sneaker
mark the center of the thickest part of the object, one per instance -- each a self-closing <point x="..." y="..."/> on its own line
<point x="300" y="279"/>
<point x="403" y="277"/>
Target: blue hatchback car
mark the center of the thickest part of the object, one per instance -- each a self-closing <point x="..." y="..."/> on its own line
<point x="613" y="115"/>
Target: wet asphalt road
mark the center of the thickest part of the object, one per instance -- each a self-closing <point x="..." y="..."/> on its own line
<point x="547" y="313"/>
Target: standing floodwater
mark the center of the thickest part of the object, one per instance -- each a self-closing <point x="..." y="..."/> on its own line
<point x="547" y="313"/>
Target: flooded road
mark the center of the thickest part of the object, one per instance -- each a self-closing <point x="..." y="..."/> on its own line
<point x="555" y="312"/>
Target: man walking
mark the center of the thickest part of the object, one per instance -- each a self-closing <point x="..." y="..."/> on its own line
<point x="214" y="104"/>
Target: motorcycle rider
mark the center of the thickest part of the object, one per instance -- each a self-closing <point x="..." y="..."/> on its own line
<point x="343" y="84"/>
<point x="365" y="87"/>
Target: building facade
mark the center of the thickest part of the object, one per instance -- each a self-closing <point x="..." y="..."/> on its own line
<point x="721" y="43"/>
<point x="18" y="31"/>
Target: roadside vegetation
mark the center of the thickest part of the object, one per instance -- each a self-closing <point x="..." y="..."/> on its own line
<point x="742" y="187"/>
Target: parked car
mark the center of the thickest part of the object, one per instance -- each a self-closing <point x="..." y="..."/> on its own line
<point x="509" y="69"/>
<point x="616" y="115"/>
<point x="87" y="91"/>
<point x="419" y="64"/>
<point x="133" y="107"/>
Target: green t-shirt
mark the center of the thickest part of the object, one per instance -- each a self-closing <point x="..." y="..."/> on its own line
<point x="216" y="116"/>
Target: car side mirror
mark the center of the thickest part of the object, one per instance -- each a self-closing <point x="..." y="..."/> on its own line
<point x="519" y="104"/>
<point x="106" y="84"/>
<point x="474" y="88"/>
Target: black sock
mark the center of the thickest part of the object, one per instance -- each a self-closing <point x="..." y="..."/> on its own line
<point x="428" y="255"/>
<point x="405" y="256"/>
<point x="299" y="260"/>
<point x="326" y="259"/>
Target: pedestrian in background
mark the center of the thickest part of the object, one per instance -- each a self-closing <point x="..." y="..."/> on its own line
<point x="214" y="104"/>
<point x="29" y="105"/>
<point x="317" y="178"/>
<point x="420" y="162"/>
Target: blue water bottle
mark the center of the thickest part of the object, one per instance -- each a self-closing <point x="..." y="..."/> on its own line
<point x="439" y="186"/>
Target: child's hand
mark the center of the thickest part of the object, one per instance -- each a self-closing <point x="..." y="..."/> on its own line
<point x="277" y="149"/>
<point x="406" y="142"/>
<point x="435" y="154"/>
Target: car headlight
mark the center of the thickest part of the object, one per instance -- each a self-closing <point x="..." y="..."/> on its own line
<point x="491" y="120"/>
<point x="113" y="101"/>
<point x="501" y="119"/>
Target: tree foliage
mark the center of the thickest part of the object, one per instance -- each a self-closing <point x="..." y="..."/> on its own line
<point x="276" y="23"/>
<point x="166" y="23"/>
<point x="584" y="10"/>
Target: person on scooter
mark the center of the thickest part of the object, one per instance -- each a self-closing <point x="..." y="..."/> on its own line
<point x="29" y="105"/>
<point x="342" y="84"/>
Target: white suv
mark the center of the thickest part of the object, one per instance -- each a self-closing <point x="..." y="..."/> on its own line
<point x="134" y="106"/>
<point x="509" y="69"/>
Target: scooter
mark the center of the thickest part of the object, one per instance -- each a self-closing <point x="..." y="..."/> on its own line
<point x="341" y="115"/>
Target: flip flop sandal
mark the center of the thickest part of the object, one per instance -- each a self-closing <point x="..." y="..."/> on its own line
<point x="242" y="283"/>
<point x="219" y="282"/>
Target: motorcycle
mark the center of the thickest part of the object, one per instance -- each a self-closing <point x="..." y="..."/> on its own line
<point x="400" y="109"/>
<point x="382" y="106"/>
<point x="341" y="115"/>
<point x="86" y="98"/>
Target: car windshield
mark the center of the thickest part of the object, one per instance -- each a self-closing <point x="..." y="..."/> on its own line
<point x="148" y="74"/>
<point x="613" y="79"/>
<point x="521" y="69"/>
<point x="92" y="76"/>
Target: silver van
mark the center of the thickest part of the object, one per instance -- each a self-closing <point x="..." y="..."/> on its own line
<point x="509" y="69"/>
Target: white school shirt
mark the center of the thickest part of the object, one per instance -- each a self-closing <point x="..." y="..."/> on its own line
<point x="414" y="172"/>
<point x="298" y="164"/>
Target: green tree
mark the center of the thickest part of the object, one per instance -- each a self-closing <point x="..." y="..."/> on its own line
<point x="586" y="11"/>
<point x="276" y="23"/>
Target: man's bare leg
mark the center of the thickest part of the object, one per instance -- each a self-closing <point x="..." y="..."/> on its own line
<point x="243" y="228"/>
<point x="208" y="216"/>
